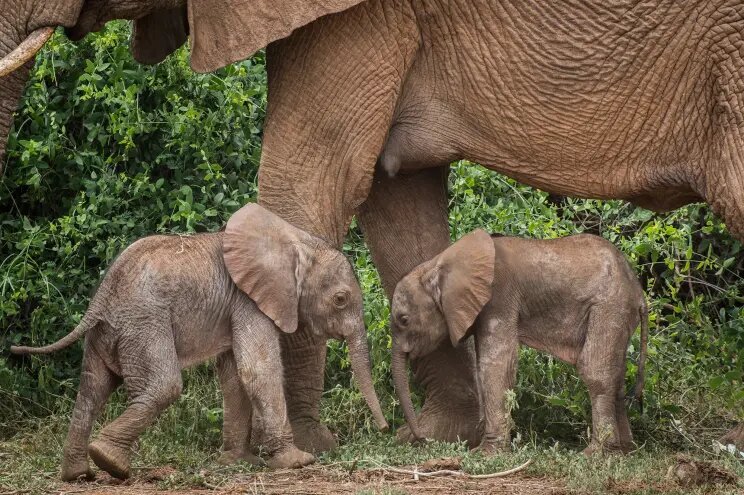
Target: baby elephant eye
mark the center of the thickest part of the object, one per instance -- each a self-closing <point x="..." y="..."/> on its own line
<point x="340" y="299"/>
<point x="403" y="320"/>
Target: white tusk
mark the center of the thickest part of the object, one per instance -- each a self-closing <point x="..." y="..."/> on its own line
<point x="25" y="51"/>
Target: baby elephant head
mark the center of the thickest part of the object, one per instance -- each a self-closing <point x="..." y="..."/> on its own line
<point x="439" y="298"/>
<point x="298" y="279"/>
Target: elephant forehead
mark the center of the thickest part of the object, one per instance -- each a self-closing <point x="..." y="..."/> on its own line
<point x="333" y="269"/>
<point x="405" y="294"/>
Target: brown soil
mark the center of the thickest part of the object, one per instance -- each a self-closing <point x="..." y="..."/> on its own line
<point x="323" y="480"/>
<point x="326" y="479"/>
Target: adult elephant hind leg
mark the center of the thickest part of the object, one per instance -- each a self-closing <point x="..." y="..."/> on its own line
<point x="97" y="383"/>
<point x="152" y="376"/>
<point x="404" y="220"/>
<point x="238" y="414"/>
<point x="724" y="191"/>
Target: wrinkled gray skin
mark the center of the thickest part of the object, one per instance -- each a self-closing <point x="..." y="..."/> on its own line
<point x="589" y="98"/>
<point x="575" y="298"/>
<point x="169" y="302"/>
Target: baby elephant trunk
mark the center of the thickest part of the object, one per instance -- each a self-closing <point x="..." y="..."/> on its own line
<point x="360" y="365"/>
<point x="400" y="380"/>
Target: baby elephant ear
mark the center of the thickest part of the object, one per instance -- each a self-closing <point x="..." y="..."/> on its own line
<point x="464" y="278"/>
<point x="267" y="259"/>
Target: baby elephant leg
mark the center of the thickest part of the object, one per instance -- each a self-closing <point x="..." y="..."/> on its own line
<point x="497" y="351"/>
<point x="259" y="366"/>
<point x="601" y="365"/>
<point x="96" y="385"/>
<point x="623" y="423"/>
<point x="238" y="417"/>
<point x="152" y="376"/>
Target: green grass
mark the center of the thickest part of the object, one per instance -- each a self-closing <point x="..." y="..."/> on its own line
<point x="187" y="438"/>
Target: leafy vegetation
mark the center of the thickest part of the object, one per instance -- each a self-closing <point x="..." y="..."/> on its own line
<point x="105" y="150"/>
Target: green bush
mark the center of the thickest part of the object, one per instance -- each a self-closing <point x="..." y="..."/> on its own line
<point x="105" y="151"/>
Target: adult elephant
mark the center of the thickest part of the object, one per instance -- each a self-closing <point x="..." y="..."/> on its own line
<point x="591" y="98"/>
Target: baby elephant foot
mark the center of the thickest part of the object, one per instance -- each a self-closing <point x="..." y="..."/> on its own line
<point x="233" y="456"/>
<point x="291" y="457"/>
<point x="72" y="471"/>
<point x="110" y="457"/>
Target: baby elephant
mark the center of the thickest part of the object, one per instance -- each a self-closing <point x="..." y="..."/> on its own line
<point x="576" y="298"/>
<point x="168" y="302"/>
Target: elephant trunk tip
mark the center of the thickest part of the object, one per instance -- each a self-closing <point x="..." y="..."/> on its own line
<point x="361" y="367"/>
<point x="415" y="432"/>
<point x="382" y="425"/>
<point x="400" y="380"/>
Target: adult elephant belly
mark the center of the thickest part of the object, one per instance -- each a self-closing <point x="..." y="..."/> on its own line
<point x="582" y="110"/>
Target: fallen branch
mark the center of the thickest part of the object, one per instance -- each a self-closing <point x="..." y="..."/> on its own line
<point x="446" y="472"/>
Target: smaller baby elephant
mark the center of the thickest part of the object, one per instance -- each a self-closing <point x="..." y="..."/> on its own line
<point x="576" y="298"/>
<point x="168" y="302"/>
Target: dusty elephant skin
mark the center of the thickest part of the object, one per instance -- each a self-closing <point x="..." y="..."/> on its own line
<point x="576" y="298"/>
<point x="168" y="302"/>
<point x="588" y="98"/>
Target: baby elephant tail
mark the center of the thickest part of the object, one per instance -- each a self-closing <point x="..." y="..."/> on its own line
<point x="85" y="324"/>
<point x="638" y="389"/>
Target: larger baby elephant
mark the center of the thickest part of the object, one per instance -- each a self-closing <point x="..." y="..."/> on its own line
<point x="171" y="301"/>
<point x="574" y="297"/>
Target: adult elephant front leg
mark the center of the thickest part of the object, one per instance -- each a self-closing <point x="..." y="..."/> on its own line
<point x="333" y="87"/>
<point x="405" y="223"/>
<point x="724" y="191"/>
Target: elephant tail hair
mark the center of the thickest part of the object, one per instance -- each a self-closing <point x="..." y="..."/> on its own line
<point x="89" y="321"/>
<point x="638" y="389"/>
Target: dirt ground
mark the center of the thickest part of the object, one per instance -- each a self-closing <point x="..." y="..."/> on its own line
<point x="322" y="480"/>
<point x="685" y="473"/>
